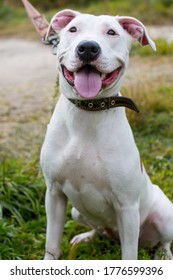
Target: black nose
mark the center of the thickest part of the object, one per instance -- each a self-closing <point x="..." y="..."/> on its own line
<point x="88" y="50"/>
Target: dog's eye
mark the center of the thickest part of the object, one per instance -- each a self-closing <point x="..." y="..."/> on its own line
<point x="73" y="29"/>
<point x="111" y="32"/>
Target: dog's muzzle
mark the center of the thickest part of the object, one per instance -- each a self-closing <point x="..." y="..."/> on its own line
<point x="88" y="80"/>
<point x="88" y="51"/>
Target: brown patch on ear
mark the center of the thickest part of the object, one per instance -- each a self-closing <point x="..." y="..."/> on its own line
<point x="141" y="165"/>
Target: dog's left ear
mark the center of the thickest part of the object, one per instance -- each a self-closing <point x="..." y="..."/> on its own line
<point x="137" y="30"/>
<point x="60" y="20"/>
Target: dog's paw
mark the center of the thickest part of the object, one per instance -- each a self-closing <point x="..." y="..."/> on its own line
<point x="51" y="256"/>
<point x="163" y="252"/>
<point x="83" y="237"/>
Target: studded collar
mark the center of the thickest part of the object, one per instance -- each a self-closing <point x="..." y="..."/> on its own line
<point x="105" y="103"/>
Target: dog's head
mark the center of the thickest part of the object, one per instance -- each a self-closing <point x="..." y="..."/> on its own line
<point x="93" y="51"/>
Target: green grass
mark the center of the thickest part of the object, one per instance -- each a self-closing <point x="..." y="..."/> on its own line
<point x="22" y="222"/>
<point x="22" y="188"/>
<point x="163" y="48"/>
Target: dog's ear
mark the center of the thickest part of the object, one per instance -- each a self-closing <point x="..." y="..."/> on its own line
<point x="60" y="20"/>
<point x="137" y="30"/>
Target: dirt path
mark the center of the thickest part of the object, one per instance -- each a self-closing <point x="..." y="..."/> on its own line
<point x="165" y="32"/>
<point x="27" y="81"/>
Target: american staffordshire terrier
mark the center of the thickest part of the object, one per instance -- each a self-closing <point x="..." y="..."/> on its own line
<point x="89" y="155"/>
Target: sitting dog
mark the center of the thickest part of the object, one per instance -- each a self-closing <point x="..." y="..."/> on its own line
<point x="89" y="156"/>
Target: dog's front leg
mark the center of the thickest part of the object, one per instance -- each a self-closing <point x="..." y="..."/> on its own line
<point x="56" y="203"/>
<point x="128" y="227"/>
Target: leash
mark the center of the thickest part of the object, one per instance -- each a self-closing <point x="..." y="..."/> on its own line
<point x="41" y="25"/>
<point x="105" y="103"/>
<point x="52" y="40"/>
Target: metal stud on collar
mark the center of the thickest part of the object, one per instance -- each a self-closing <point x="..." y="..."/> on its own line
<point x="90" y="105"/>
<point x="102" y="105"/>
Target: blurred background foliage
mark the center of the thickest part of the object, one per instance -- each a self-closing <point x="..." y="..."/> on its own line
<point x="15" y="22"/>
<point x="150" y="11"/>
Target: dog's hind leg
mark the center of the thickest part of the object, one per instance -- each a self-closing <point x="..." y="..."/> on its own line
<point x="163" y="252"/>
<point x="162" y="217"/>
<point x="83" y="237"/>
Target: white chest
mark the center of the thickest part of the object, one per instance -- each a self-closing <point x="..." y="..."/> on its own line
<point x="87" y="156"/>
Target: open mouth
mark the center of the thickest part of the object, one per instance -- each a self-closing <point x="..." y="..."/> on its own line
<point x="88" y="81"/>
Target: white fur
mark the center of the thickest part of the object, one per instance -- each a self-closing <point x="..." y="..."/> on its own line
<point x="91" y="158"/>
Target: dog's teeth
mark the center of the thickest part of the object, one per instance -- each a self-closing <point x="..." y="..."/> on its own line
<point x="103" y="76"/>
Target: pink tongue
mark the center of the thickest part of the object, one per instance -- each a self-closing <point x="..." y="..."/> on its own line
<point x="88" y="82"/>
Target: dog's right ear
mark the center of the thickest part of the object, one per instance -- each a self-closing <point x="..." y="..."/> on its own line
<point x="60" y="20"/>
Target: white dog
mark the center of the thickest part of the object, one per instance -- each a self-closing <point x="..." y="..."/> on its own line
<point x="89" y="156"/>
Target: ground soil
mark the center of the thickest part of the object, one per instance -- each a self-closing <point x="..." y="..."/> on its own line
<point x="27" y="86"/>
